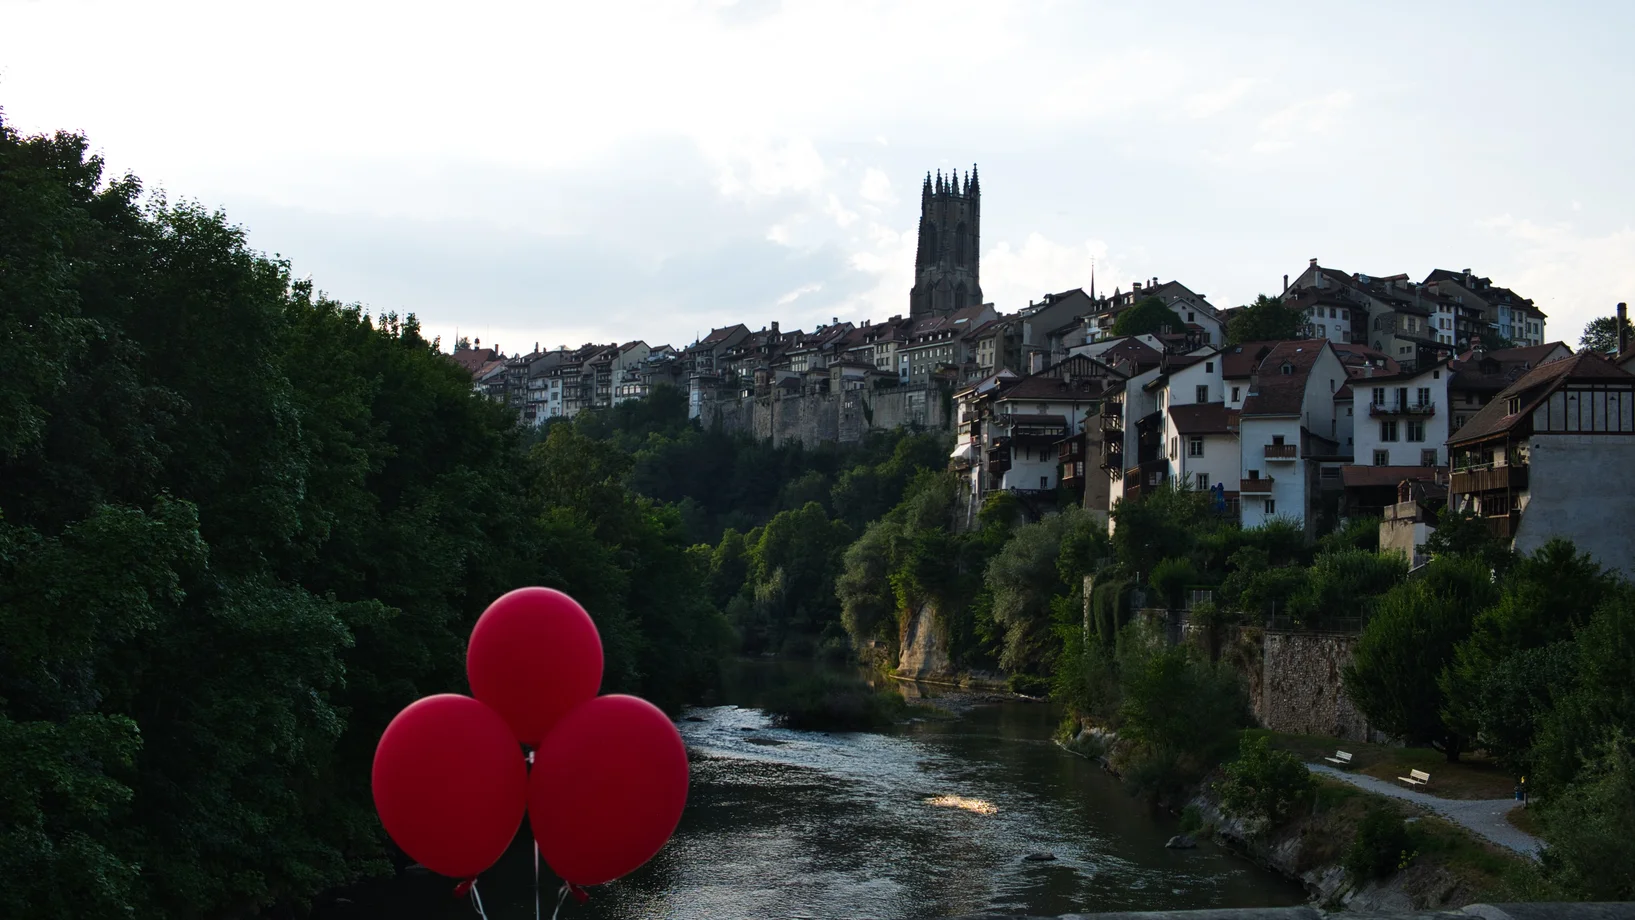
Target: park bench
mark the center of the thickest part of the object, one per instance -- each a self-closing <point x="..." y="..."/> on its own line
<point x="1343" y="758"/>
<point x="1416" y="778"/>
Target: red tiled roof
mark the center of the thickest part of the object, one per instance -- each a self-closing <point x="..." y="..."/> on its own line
<point x="1362" y="477"/>
<point x="1204" y="418"/>
<point x="1277" y="393"/>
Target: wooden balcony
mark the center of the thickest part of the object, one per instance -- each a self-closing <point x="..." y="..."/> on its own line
<point x="1503" y="526"/>
<point x="1282" y="451"/>
<point x="1261" y="486"/>
<point x="1490" y="479"/>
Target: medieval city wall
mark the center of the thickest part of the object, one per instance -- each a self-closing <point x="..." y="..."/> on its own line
<point x="828" y="417"/>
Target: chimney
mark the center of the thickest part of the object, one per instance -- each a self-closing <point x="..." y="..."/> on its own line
<point x="1623" y="328"/>
<point x="1467" y="277"/>
<point x="774" y="327"/>
<point x="1135" y="287"/>
<point x="1285" y="284"/>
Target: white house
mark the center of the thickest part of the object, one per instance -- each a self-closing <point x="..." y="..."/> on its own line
<point x="1403" y="418"/>
<point x="1284" y="428"/>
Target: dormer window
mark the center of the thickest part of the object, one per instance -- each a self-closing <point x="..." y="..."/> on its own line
<point x="1287" y="369"/>
<point x="1514" y="407"/>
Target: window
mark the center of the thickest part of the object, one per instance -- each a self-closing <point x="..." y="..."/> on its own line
<point x="1201" y="482"/>
<point x="1402" y="397"/>
<point x="1423" y="396"/>
<point x="1382" y="458"/>
<point x="1277" y="439"/>
<point x="1271" y="506"/>
<point x="1234" y="394"/>
<point x="1044" y="482"/>
<point x="1331" y="472"/>
<point x="1287" y="369"/>
<point x="1515" y="406"/>
<point x="1202" y="393"/>
<point x="1458" y="422"/>
<point x="1174" y="448"/>
<point x="1209" y="367"/>
<point x="1254" y="474"/>
<point x="1379" y="396"/>
<point x="1388" y="431"/>
<point x="1191" y="318"/>
<point x="1427" y="457"/>
<point x="1195" y="446"/>
<point x="1415" y="432"/>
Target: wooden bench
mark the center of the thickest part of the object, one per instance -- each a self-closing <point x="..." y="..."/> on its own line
<point x="1343" y="758"/>
<point x="1416" y="778"/>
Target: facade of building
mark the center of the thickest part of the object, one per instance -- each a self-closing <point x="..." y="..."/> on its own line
<point x="1286" y="413"/>
<point x="1544" y="459"/>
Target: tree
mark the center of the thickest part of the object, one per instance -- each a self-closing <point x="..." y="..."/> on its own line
<point x="1406" y="645"/>
<point x="1148" y="316"/>
<point x="1601" y="335"/>
<point x="1268" y="319"/>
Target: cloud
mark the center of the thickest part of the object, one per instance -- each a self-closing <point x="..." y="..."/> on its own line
<point x="1572" y="276"/>
<point x="1013" y="276"/>
<point x="1215" y="101"/>
<point x="1285" y="127"/>
<point x="876" y="187"/>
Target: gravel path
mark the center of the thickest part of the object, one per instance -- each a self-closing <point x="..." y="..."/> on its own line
<point x="1484" y="817"/>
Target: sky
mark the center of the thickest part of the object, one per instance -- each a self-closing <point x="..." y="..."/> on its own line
<point x="564" y="173"/>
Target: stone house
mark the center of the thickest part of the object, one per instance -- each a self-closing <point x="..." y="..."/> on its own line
<point x="1493" y="308"/>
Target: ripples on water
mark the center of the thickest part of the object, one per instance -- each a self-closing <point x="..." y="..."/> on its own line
<point x="931" y="821"/>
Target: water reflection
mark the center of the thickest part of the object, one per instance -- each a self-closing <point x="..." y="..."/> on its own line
<point x="930" y="821"/>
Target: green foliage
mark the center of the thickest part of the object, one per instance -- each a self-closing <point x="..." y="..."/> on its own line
<point x="1601" y="335"/>
<point x="1393" y="674"/>
<point x="833" y="702"/>
<point x="1591" y="854"/>
<point x="1025" y="578"/>
<point x="1356" y="533"/>
<point x="241" y="526"/>
<point x="1465" y="534"/>
<point x="1381" y="846"/>
<point x="1268" y="319"/>
<point x="1148" y="316"/>
<point x="1264" y="785"/>
<point x="1170" y="579"/>
<point x="1344" y="584"/>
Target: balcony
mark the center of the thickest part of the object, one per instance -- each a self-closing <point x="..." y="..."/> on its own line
<point x="1488" y="479"/>
<point x="1261" y="486"/>
<point x="1417" y="409"/>
<point x="1072" y="472"/>
<point x="1281" y="451"/>
<point x="1503" y="526"/>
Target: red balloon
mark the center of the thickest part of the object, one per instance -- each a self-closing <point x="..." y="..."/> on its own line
<point x="450" y="784"/>
<point x="607" y="789"/>
<point x="534" y="655"/>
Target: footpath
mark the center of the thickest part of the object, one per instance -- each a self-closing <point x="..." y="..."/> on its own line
<point x="1483" y="817"/>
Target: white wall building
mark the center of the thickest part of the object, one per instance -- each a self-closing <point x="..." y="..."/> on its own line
<point x="1283" y="430"/>
<point x="1403" y="419"/>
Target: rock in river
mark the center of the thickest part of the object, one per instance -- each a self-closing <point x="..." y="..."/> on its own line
<point x="1040" y="857"/>
<point x="1181" y="842"/>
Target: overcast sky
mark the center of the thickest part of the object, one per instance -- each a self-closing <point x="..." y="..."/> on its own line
<point x="596" y="171"/>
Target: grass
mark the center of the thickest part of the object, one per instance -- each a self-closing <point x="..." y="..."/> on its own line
<point x="1474" y="777"/>
<point x="1525" y="820"/>
<point x="1487" y="871"/>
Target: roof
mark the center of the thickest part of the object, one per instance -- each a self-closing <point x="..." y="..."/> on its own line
<point x="1204" y="418"/>
<point x="1363" y="477"/>
<point x="1131" y="351"/>
<point x="1241" y="360"/>
<point x="1277" y="393"/>
<point x="473" y="359"/>
<point x="1533" y="387"/>
<point x="1358" y="355"/>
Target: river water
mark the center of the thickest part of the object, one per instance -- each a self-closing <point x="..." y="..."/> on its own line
<point x="931" y="820"/>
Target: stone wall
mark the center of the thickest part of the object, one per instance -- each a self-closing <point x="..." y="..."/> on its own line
<point x="1301" y="689"/>
<point x="845" y="417"/>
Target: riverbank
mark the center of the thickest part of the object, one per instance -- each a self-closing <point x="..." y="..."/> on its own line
<point x="1445" y="866"/>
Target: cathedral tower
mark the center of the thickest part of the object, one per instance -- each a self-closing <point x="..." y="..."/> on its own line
<point x="945" y="264"/>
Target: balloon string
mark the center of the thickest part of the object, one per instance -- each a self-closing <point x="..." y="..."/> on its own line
<point x="477" y="902"/>
<point x="560" y="897"/>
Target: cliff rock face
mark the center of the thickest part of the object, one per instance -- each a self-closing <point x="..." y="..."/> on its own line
<point x="924" y="646"/>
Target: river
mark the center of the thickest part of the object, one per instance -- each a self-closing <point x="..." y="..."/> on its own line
<point x="931" y="820"/>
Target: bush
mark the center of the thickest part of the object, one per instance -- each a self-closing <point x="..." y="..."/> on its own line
<point x="1264" y="785"/>
<point x="1192" y="820"/>
<point x="1028" y="684"/>
<point x="830" y="702"/>
<point x="1590" y="852"/>
<point x="1382" y="846"/>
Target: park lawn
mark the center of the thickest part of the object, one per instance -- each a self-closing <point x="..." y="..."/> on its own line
<point x="1474" y="777"/>
<point x="1490" y="872"/>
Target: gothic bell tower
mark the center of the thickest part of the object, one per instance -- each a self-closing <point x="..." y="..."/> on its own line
<point x="945" y="263"/>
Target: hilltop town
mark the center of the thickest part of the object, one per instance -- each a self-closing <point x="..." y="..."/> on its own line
<point x="1345" y="394"/>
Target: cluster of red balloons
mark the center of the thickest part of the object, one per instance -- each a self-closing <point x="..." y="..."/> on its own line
<point x="609" y="773"/>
